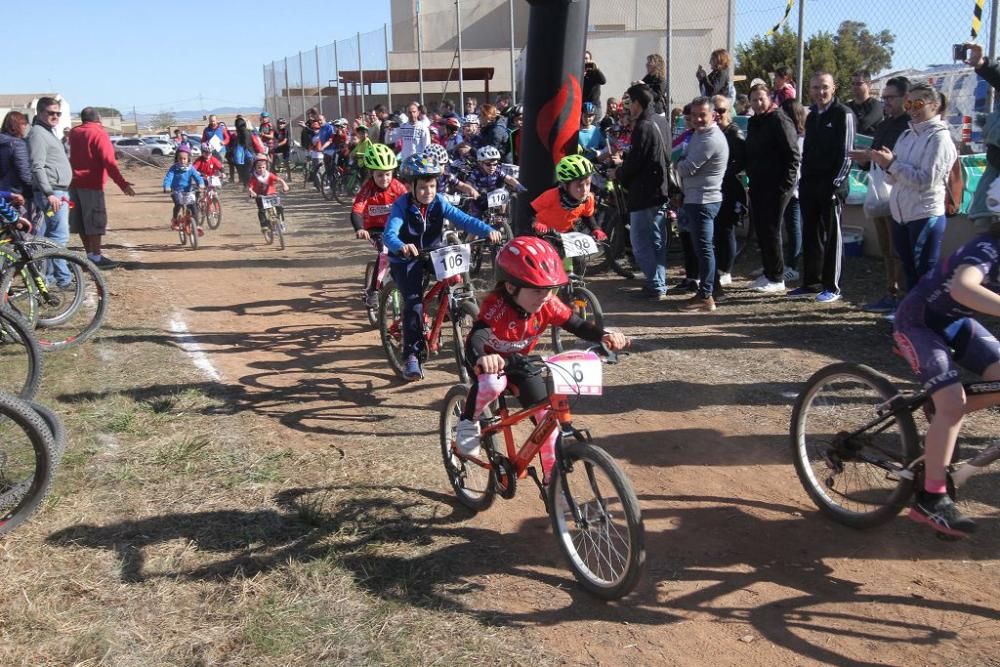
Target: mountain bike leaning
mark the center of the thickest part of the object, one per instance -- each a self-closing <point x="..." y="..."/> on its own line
<point x="852" y="428"/>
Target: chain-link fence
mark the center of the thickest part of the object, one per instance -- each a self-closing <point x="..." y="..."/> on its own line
<point x="420" y="56"/>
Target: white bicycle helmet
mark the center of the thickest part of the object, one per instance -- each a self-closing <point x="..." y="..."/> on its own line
<point x="438" y="153"/>
<point x="471" y="119"/>
<point x="340" y="122"/>
<point x="487" y="153"/>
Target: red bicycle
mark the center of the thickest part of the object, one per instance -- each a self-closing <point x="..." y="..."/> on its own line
<point x="594" y="511"/>
<point x="187" y="221"/>
<point x="451" y="298"/>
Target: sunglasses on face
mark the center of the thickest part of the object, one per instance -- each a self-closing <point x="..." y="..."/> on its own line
<point x="54" y="113"/>
<point x="721" y="111"/>
<point x="491" y="163"/>
<point x="914" y="105"/>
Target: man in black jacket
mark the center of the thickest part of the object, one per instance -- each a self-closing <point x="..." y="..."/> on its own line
<point x="644" y="174"/>
<point x="825" y="168"/>
<point x="593" y="79"/>
<point x="866" y="109"/>
<point x="896" y="122"/>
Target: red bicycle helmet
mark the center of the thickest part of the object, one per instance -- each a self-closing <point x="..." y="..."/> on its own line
<point x="528" y="261"/>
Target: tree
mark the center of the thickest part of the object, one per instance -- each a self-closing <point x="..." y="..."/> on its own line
<point x="163" y="120"/>
<point x="852" y="47"/>
<point x="108" y="112"/>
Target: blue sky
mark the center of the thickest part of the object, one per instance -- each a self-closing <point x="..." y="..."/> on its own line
<point x="123" y="54"/>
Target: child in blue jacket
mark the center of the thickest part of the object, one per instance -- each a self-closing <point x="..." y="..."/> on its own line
<point x="180" y="178"/>
<point x="417" y="222"/>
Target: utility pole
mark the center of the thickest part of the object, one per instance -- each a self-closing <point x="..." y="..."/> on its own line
<point x="135" y="119"/>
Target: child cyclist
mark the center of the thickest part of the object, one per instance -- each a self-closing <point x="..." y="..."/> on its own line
<point x="559" y="208"/>
<point x="488" y="176"/>
<point x="180" y="178"/>
<point x="263" y="184"/>
<point x="511" y="320"/>
<point x="373" y="203"/>
<point x="416" y="222"/>
<point x="447" y="182"/>
<point x="936" y="331"/>
<point x="207" y="164"/>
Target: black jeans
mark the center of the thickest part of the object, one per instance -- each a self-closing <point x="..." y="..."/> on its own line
<point x="767" y="211"/>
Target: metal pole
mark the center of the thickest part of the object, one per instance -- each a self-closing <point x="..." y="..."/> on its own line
<point x="994" y="8"/>
<point x="513" y="71"/>
<point x="731" y="38"/>
<point x="319" y="83"/>
<point x="274" y="89"/>
<point x="388" y="68"/>
<point x="420" y="59"/>
<point x="336" y="69"/>
<point x="461" y="84"/>
<point x="302" y="84"/>
<point x="361" y="76"/>
<point x="801" y="61"/>
<point x="668" y="85"/>
<point x="288" y="94"/>
<point x="267" y="106"/>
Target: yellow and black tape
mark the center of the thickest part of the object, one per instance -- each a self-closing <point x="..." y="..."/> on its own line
<point x="977" y="18"/>
<point x="788" y="10"/>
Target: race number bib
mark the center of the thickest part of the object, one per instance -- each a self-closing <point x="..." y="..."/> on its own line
<point x="270" y="202"/>
<point x="512" y="170"/>
<point x="576" y="372"/>
<point x="215" y="181"/>
<point x="576" y="244"/>
<point x="451" y="260"/>
<point x="188" y="198"/>
<point x="497" y="198"/>
<point x="316" y="155"/>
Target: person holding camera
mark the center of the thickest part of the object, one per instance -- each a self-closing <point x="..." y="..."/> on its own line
<point x="593" y="79"/>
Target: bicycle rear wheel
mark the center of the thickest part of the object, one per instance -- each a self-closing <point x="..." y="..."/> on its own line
<point x="344" y="188"/>
<point x="213" y="213"/>
<point x="605" y="547"/>
<point x="278" y="224"/>
<point x="461" y="325"/>
<point x="56" y="429"/>
<point x="370" y="310"/>
<point x="845" y="442"/>
<point x="20" y="356"/>
<point x="71" y="313"/>
<point x="26" y="462"/>
<point x="584" y="304"/>
<point x="472" y="483"/>
<point x="390" y="325"/>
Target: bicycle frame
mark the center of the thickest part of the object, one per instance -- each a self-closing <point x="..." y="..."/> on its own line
<point x="559" y="416"/>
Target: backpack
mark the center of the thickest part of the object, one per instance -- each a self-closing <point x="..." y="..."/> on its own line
<point x="954" y="190"/>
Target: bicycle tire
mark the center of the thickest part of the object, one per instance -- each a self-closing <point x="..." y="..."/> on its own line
<point x="328" y="189"/>
<point x="390" y="323"/>
<point x="623" y="536"/>
<point x="193" y="233"/>
<point x="818" y="457"/>
<point x="182" y="234"/>
<point x="20" y="290"/>
<point x="20" y="356"/>
<point x="64" y="327"/>
<point x="468" y="311"/>
<point x="56" y="429"/>
<point x="472" y="484"/>
<point x="213" y="213"/>
<point x="584" y="304"/>
<point x="20" y="495"/>
<point x="278" y="223"/>
<point x="370" y="311"/>
<point x="268" y="233"/>
<point x="342" y="189"/>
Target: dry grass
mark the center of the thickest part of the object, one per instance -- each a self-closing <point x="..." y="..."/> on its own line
<point x="181" y="532"/>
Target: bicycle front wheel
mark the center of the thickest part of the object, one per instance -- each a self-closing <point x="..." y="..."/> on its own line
<point x="390" y="325"/>
<point x="584" y="304"/>
<point x="605" y="547"/>
<point x="370" y="310"/>
<point x="461" y="325"/>
<point x="193" y="233"/>
<point x="213" y="213"/>
<point x="20" y="356"/>
<point x="278" y="223"/>
<point x="26" y="462"/>
<point x="471" y="482"/>
<point x="343" y="189"/>
<point x="73" y="312"/>
<point x="846" y="445"/>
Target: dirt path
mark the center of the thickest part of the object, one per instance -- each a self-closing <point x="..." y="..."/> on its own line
<point x="741" y="568"/>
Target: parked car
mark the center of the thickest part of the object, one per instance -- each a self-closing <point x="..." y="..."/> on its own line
<point x="133" y="146"/>
<point x="159" y="146"/>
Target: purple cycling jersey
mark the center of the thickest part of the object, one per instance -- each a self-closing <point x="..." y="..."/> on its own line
<point x="982" y="252"/>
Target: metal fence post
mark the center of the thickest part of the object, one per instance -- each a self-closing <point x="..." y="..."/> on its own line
<point x="420" y="58"/>
<point x="302" y="84"/>
<point x="461" y="83"/>
<point x="274" y="89"/>
<point x="319" y="83"/>
<point x="513" y="72"/>
<point x="361" y="77"/>
<point x="336" y="74"/>
<point x="267" y="104"/>
<point x="670" y="52"/>
<point x="288" y="93"/>
<point x="388" y="67"/>
<point x="994" y="8"/>
<point x="801" y="60"/>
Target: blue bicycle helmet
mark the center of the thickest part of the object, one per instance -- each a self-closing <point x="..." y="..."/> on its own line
<point x="589" y="109"/>
<point x="419" y="165"/>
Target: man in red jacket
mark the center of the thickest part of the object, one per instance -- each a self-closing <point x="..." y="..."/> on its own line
<point x="93" y="159"/>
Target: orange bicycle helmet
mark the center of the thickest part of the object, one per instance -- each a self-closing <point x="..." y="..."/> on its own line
<point x="528" y="261"/>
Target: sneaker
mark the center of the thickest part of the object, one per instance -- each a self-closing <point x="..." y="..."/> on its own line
<point x="467" y="438"/>
<point x="719" y="294"/>
<point x="890" y="317"/>
<point x="940" y="513"/>
<point x="201" y="230"/>
<point x="756" y="273"/>
<point x="105" y="263"/>
<point x="790" y="275"/>
<point x="411" y="369"/>
<point x="771" y="287"/>
<point x="174" y="225"/>
<point x="725" y="279"/>
<point x="698" y="303"/>
<point x="801" y="292"/>
<point x="761" y="281"/>
<point x="688" y="285"/>
<point x="886" y="304"/>
<point x="826" y="296"/>
<point x="648" y="295"/>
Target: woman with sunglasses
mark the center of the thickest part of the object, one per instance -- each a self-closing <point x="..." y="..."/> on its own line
<point x="918" y="168"/>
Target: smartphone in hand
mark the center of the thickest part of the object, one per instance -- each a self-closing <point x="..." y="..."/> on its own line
<point x="959" y="52"/>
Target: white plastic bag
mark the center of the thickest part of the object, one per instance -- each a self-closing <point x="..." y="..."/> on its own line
<point x="877" y="199"/>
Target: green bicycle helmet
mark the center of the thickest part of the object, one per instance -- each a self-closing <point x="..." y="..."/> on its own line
<point x="380" y="157"/>
<point x="573" y="168"/>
